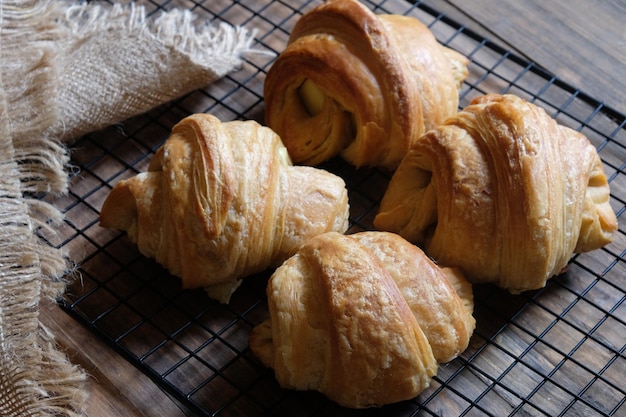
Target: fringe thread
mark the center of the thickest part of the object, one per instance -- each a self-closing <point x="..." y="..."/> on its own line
<point x="36" y="379"/>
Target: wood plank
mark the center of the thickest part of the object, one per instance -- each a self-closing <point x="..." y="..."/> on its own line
<point x="115" y="387"/>
<point x="582" y="42"/>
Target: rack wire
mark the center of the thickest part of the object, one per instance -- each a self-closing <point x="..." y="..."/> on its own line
<point x="555" y="351"/>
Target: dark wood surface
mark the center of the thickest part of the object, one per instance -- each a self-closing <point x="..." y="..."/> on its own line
<point x="581" y="41"/>
<point x="116" y="388"/>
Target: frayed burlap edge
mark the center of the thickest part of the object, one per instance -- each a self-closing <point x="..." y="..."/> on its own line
<point x="137" y="63"/>
<point x="36" y="379"/>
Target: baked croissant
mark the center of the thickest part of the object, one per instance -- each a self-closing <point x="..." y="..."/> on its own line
<point x="361" y="85"/>
<point x="503" y="192"/>
<point x="363" y="318"/>
<point x="221" y="201"/>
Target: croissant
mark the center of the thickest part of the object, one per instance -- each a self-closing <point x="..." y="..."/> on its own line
<point x="221" y="201"/>
<point x="359" y="85"/>
<point x="363" y="318"/>
<point x="503" y="192"/>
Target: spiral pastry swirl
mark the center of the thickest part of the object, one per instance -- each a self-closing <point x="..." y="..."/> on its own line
<point x="359" y="85"/>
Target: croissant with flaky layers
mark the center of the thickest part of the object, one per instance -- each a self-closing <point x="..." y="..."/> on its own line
<point x="361" y="85"/>
<point x="363" y="318"/>
<point x="221" y="201"/>
<point x="503" y="192"/>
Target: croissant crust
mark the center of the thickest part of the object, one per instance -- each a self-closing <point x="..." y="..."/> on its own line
<point x="503" y="192"/>
<point x="377" y="83"/>
<point x="363" y="318"/>
<point x="221" y="201"/>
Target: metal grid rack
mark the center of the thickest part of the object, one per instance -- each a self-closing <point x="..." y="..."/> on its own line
<point x="556" y="351"/>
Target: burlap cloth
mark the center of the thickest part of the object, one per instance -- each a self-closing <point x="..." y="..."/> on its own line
<point x="67" y="69"/>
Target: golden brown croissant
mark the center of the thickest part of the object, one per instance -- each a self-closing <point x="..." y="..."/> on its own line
<point x="358" y="84"/>
<point x="502" y="192"/>
<point x="221" y="201"/>
<point x="363" y="318"/>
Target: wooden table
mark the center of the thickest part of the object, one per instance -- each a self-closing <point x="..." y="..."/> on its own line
<point x="583" y="42"/>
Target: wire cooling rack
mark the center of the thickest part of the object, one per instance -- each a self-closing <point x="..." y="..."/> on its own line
<point x="555" y="351"/>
